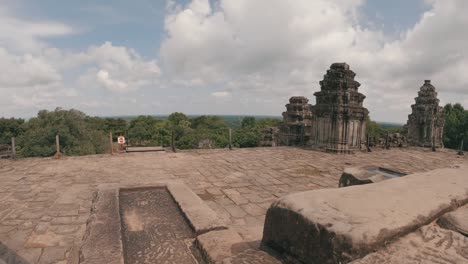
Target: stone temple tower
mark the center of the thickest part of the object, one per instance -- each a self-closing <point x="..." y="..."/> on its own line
<point x="297" y="119"/>
<point x="339" y="116"/>
<point x="426" y="122"/>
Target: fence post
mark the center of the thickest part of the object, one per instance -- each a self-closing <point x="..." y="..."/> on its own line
<point x="386" y="142"/>
<point x="230" y="139"/>
<point x="13" y="148"/>
<point x="111" y="143"/>
<point x="460" y="152"/>
<point x="172" y="141"/>
<point x="57" y="144"/>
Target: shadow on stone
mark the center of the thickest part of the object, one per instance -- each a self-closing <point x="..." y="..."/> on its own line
<point x="9" y="256"/>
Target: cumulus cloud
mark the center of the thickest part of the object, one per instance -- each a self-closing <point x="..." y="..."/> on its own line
<point x="36" y="75"/>
<point x="221" y="94"/>
<point x="286" y="50"/>
<point x="118" y="68"/>
<point x="20" y="35"/>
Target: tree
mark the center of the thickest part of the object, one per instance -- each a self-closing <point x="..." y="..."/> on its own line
<point x="456" y="126"/>
<point x="77" y="136"/>
<point x="142" y="130"/>
<point x="268" y="122"/>
<point x="246" y="137"/>
<point x="178" y="122"/>
<point x="10" y="127"/>
<point x="373" y="129"/>
<point x="248" y="121"/>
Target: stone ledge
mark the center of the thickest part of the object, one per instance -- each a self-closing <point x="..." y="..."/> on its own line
<point x="201" y="217"/>
<point x="102" y="240"/>
<point x="219" y="245"/>
<point x="341" y="225"/>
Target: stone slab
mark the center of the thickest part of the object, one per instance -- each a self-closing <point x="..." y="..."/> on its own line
<point x="103" y="238"/>
<point x="366" y="174"/>
<point x="341" y="225"/>
<point x="201" y="217"/>
<point x="144" y="149"/>
<point x="456" y="221"/>
<point x="429" y="245"/>
<point x="219" y="245"/>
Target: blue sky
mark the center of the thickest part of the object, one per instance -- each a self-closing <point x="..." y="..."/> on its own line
<point x="224" y="56"/>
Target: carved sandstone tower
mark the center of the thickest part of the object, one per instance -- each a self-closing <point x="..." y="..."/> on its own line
<point x="339" y="115"/>
<point x="297" y="121"/>
<point x="426" y="122"/>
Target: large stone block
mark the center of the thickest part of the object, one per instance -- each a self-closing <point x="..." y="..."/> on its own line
<point x="456" y="220"/>
<point x="341" y="225"/>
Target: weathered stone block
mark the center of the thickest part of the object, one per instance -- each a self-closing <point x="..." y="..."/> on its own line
<point x="456" y="220"/>
<point x="341" y="225"/>
<point x="366" y="175"/>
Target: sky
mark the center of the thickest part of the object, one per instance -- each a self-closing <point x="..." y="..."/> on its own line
<point x="240" y="57"/>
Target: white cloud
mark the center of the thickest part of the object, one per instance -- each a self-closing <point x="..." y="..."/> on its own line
<point x="113" y="85"/>
<point x="286" y="50"/>
<point x="118" y="68"/>
<point x="36" y="75"/>
<point x="25" y="70"/>
<point x="221" y="94"/>
<point x="20" y="35"/>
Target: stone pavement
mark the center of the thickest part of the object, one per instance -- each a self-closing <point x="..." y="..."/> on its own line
<point x="45" y="203"/>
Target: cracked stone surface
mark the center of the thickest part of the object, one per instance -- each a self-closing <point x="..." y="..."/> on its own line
<point x="45" y="203"/>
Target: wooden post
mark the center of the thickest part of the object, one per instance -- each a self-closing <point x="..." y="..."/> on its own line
<point x="111" y="144"/>
<point x="57" y="143"/>
<point x="230" y="139"/>
<point x="13" y="148"/>
<point x="57" y="155"/>
<point x="386" y="142"/>
<point x="368" y="144"/>
<point x="172" y="141"/>
<point x="460" y="152"/>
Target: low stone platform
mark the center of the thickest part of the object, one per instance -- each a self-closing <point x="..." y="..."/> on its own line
<point x="46" y="203"/>
<point x="341" y="225"/>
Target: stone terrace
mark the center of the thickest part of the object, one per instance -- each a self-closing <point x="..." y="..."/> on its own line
<point x="45" y="203"/>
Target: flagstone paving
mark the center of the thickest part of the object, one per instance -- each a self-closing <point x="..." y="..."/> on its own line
<point x="45" y="203"/>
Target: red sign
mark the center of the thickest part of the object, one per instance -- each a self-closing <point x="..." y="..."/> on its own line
<point x="121" y="140"/>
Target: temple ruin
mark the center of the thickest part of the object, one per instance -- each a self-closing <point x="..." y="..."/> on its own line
<point x="297" y="125"/>
<point x="426" y="122"/>
<point x="337" y="122"/>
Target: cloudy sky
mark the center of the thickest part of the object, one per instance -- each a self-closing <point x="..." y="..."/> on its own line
<point x="118" y="57"/>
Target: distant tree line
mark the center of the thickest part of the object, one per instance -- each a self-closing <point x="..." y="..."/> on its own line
<point x="81" y="134"/>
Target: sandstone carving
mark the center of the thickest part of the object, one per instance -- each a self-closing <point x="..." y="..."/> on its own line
<point x="426" y="122"/>
<point x="297" y="122"/>
<point x="337" y="122"/>
<point x="269" y="137"/>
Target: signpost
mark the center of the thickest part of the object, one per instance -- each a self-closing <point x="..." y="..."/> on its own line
<point x="121" y="141"/>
